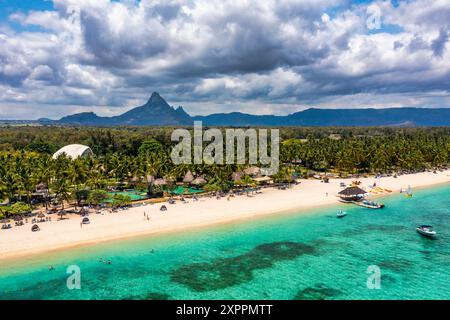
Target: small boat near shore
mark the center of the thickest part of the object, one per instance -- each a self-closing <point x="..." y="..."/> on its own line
<point x="426" y="231"/>
<point x="341" y="214"/>
<point x="408" y="192"/>
<point x="369" y="204"/>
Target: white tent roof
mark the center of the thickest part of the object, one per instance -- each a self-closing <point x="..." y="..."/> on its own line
<point x="74" y="151"/>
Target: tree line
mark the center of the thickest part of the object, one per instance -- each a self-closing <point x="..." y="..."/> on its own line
<point x="129" y="156"/>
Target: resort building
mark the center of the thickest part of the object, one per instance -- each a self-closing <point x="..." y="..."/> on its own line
<point x="74" y="151"/>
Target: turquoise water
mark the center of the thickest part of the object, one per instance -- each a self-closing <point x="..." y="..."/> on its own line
<point x="314" y="256"/>
<point x="134" y="195"/>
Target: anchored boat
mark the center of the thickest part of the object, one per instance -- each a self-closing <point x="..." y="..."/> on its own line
<point x="341" y="214"/>
<point x="369" y="204"/>
<point x="426" y="231"/>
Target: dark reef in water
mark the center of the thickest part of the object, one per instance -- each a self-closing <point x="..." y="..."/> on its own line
<point x="318" y="292"/>
<point x="226" y="272"/>
<point x="397" y="264"/>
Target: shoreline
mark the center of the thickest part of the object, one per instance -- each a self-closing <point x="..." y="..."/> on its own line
<point x="56" y="236"/>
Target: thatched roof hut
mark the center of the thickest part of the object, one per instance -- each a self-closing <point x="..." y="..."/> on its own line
<point x="199" y="181"/>
<point x="252" y="171"/>
<point x="352" y="193"/>
<point x="189" y="177"/>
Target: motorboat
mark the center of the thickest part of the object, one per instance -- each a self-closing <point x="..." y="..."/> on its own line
<point x="426" y="231"/>
<point x="85" y="220"/>
<point x="341" y="214"/>
<point x="35" y="228"/>
<point x="370" y="204"/>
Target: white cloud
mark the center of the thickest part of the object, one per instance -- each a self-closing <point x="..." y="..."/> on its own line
<point x="267" y="54"/>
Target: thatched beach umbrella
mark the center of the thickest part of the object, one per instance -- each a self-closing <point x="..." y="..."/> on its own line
<point x="199" y="181"/>
<point x="4" y="220"/>
<point x="352" y="193"/>
<point x="18" y="218"/>
<point x="252" y="171"/>
<point x="189" y="177"/>
<point x="41" y="215"/>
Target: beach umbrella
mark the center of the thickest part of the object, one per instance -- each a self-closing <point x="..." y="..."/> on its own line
<point x="4" y="221"/>
<point x="18" y="218"/>
<point x="41" y="215"/>
<point x="189" y="177"/>
<point x="252" y="171"/>
<point x="199" y="181"/>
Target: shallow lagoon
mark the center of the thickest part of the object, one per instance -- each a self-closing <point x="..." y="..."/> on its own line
<point x="289" y="256"/>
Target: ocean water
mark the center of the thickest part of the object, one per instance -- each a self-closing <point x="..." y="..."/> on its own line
<point x="286" y="256"/>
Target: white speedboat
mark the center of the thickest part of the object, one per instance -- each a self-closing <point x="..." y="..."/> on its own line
<point x="341" y="214"/>
<point x="370" y="204"/>
<point x="426" y="231"/>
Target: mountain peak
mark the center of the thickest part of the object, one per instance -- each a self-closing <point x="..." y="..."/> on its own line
<point x="155" y="97"/>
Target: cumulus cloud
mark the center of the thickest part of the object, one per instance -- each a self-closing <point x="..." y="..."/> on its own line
<point x="260" y="56"/>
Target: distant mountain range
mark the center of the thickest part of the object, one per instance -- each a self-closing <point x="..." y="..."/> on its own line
<point x="157" y="112"/>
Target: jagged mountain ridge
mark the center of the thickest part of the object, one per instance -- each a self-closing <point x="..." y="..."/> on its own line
<point x="157" y="112"/>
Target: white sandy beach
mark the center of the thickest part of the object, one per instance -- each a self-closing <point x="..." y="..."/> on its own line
<point x="56" y="235"/>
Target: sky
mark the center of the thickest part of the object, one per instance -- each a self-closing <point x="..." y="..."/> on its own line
<point x="59" y="57"/>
